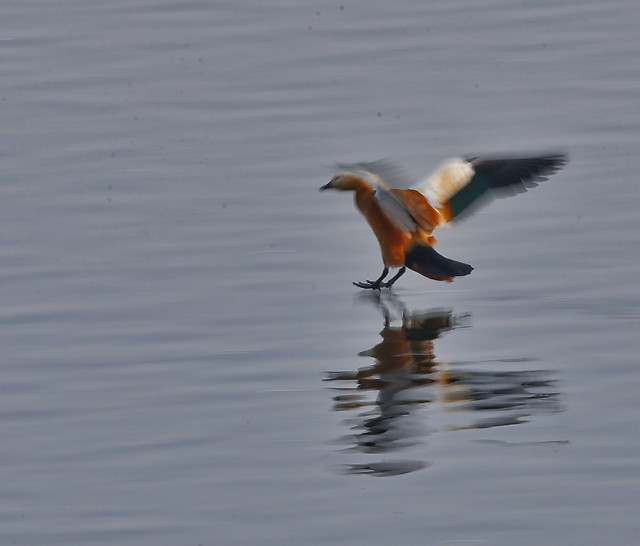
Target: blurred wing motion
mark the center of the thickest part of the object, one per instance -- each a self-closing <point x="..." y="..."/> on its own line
<point x="455" y="190"/>
<point x="382" y="173"/>
<point x="460" y="185"/>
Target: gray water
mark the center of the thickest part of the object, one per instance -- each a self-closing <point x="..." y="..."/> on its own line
<point x="184" y="358"/>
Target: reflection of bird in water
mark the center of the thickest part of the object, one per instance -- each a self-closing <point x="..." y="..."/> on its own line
<point x="404" y="220"/>
<point x="406" y="375"/>
<point x="403" y="365"/>
<point x="503" y="397"/>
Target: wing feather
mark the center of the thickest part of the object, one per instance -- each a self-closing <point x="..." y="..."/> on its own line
<point x="461" y="185"/>
<point x="455" y="190"/>
<point x="396" y="210"/>
<point x="402" y="206"/>
<point x="382" y="172"/>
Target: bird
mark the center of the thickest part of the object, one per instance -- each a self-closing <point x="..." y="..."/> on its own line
<point x="403" y="215"/>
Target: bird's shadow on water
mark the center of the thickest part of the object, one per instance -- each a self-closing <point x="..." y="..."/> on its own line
<point x="384" y="400"/>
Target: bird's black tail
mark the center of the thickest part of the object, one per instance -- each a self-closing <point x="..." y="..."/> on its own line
<point x="425" y="260"/>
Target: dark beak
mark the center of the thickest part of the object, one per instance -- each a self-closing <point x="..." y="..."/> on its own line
<point x="325" y="187"/>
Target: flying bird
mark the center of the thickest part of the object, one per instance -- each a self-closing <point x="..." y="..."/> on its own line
<point x="403" y="216"/>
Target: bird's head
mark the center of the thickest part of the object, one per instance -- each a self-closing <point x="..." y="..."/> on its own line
<point x="344" y="182"/>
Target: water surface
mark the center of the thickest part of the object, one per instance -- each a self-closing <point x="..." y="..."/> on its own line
<point x="184" y="357"/>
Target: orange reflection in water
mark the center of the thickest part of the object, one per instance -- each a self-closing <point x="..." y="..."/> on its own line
<point x="385" y="397"/>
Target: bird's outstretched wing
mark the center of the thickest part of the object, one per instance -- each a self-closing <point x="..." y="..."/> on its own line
<point x="460" y="185"/>
<point x="382" y="172"/>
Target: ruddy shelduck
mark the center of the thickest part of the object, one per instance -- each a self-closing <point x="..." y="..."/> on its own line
<point x="403" y="220"/>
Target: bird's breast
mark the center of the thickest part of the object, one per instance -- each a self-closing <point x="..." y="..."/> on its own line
<point x="393" y="241"/>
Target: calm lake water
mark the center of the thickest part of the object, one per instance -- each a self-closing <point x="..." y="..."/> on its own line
<point x="184" y="358"/>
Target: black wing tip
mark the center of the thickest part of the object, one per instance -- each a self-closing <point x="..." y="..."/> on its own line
<point x="366" y="165"/>
<point x="544" y="166"/>
<point x="520" y="169"/>
<point x="554" y="161"/>
<point x="559" y="157"/>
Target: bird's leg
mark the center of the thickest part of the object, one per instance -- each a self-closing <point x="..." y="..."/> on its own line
<point x="393" y="279"/>
<point x="374" y="285"/>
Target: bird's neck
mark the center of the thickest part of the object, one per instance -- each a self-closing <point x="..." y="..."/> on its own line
<point x="364" y="195"/>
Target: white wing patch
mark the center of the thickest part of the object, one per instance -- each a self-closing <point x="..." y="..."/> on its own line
<point x="449" y="179"/>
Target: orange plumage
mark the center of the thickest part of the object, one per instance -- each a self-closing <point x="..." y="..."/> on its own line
<point x="403" y="219"/>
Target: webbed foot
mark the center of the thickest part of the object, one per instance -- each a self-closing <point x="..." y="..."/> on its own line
<point x="371" y="285"/>
<point x="378" y="284"/>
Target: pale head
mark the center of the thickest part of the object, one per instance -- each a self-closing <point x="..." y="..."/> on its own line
<point x="345" y="182"/>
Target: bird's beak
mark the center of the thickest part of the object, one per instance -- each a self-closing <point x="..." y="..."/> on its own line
<point x="325" y="187"/>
